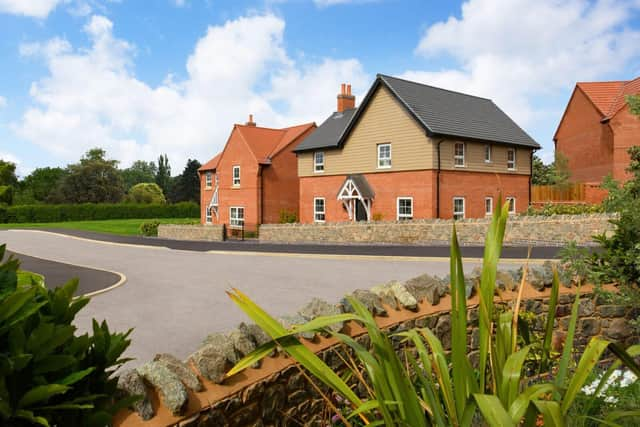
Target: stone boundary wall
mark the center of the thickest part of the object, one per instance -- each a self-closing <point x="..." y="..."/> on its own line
<point x="277" y="393"/>
<point x="213" y="232"/>
<point x="551" y="230"/>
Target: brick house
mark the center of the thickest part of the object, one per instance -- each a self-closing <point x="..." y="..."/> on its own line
<point x="413" y="151"/>
<point x="596" y="130"/>
<point x="254" y="178"/>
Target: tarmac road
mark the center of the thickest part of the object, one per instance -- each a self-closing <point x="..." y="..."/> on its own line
<point x="174" y="298"/>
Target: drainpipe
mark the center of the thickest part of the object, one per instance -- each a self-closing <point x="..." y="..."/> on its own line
<point x="438" y="182"/>
<point x="260" y="197"/>
<point x="530" y="175"/>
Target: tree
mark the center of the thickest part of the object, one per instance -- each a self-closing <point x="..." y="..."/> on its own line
<point x="163" y="174"/>
<point x="542" y="174"/>
<point x="139" y="172"/>
<point x="634" y="104"/>
<point x="94" y="180"/>
<point x="561" y="172"/>
<point x="40" y="183"/>
<point x="145" y="192"/>
<point x="187" y="185"/>
<point x="8" y="173"/>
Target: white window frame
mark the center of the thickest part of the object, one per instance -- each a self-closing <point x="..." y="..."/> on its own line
<point x="208" y="215"/>
<point x="403" y="216"/>
<point x="236" y="221"/>
<point x="235" y="180"/>
<point x="463" y="208"/>
<point x="208" y="179"/>
<point x="318" y="167"/>
<point x="490" y="206"/>
<point x="511" y="165"/>
<point x="511" y="211"/>
<point x="381" y="160"/>
<point x="317" y="212"/>
<point x="457" y="157"/>
<point x="488" y="153"/>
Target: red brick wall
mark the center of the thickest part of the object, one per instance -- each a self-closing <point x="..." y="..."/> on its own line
<point x="387" y="187"/>
<point x="584" y="141"/>
<point x="626" y="133"/>
<point x="475" y="186"/>
<point x="237" y="153"/>
<point x="281" y="185"/>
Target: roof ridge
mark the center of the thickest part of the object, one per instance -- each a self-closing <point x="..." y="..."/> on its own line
<point x="605" y="81"/>
<point x="304" y="127"/>
<point x="433" y="87"/>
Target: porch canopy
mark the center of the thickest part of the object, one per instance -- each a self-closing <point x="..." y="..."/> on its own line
<point x="356" y="189"/>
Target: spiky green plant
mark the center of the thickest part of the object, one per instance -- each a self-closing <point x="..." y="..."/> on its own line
<point x="438" y="387"/>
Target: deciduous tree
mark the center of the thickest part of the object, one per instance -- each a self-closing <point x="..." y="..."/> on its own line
<point x="187" y="185"/>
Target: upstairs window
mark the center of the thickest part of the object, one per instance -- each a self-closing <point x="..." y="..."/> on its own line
<point x="208" y="179"/>
<point x="487" y="153"/>
<point x="236" y="176"/>
<point x="458" y="154"/>
<point x="384" y="156"/>
<point x="511" y="159"/>
<point x="318" y="161"/>
<point x="318" y="209"/>
<point x="488" y="206"/>
<point x="208" y="215"/>
<point x="405" y="208"/>
<point x="458" y="208"/>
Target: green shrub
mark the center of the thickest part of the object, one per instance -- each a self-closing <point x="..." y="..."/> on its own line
<point x="49" y="375"/>
<point x="96" y="211"/>
<point x="6" y="194"/>
<point x="564" y="209"/>
<point x="146" y="192"/>
<point x="288" y="217"/>
<point x="149" y="228"/>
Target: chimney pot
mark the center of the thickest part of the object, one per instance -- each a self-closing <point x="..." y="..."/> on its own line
<point x="348" y="89"/>
<point x="342" y="89"/>
<point x="346" y="101"/>
<point x="250" y="122"/>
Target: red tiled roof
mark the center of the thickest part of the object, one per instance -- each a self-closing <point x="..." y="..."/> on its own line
<point x="265" y="143"/>
<point x="211" y="164"/>
<point x="609" y="97"/>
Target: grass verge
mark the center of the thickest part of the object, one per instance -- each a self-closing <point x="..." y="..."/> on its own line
<point x="125" y="227"/>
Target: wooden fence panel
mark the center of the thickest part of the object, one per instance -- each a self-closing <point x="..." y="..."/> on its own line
<point x="574" y="192"/>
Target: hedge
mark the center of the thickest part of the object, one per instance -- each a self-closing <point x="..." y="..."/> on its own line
<point x="96" y="211"/>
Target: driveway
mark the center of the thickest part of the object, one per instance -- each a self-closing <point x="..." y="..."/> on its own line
<point x="174" y="298"/>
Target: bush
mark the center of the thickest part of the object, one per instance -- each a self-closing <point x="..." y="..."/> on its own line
<point x="50" y="376"/>
<point x="96" y="211"/>
<point x="564" y="209"/>
<point x="145" y="192"/>
<point x="6" y="194"/>
<point x="288" y="217"/>
<point x="149" y="228"/>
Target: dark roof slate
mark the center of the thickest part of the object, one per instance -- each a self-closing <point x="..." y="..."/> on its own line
<point x="361" y="184"/>
<point x="327" y="135"/>
<point x="441" y="112"/>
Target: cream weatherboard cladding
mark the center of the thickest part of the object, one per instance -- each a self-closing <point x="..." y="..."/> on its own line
<point x="474" y="158"/>
<point x="385" y="121"/>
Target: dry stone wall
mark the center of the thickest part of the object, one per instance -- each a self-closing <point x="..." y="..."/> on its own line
<point x="279" y="393"/>
<point x="210" y="232"/>
<point x="553" y="230"/>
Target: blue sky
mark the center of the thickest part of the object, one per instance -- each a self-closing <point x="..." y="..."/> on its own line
<point x="141" y="78"/>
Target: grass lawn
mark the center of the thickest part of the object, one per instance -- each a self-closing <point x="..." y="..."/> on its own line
<point x="127" y="227"/>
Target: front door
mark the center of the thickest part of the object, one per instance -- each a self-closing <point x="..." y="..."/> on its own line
<point x="361" y="212"/>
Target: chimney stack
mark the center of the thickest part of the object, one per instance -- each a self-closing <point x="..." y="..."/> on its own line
<point x="250" y="122"/>
<point x="346" y="101"/>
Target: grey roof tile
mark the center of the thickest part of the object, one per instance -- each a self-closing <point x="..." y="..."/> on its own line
<point x="328" y="133"/>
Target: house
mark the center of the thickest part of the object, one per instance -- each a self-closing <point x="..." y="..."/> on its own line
<point x="413" y="151"/>
<point x="254" y="178"/>
<point x="596" y="130"/>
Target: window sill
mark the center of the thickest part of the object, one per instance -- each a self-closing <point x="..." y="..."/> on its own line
<point x="512" y="169"/>
<point x="384" y="167"/>
<point x="208" y="187"/>
<point x="460" y="166"/>
<point x="235" y="186"/>
<point x="319" y="172"/>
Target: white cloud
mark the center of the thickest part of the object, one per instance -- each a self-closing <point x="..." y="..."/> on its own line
<point x="31" y="8"/>
<point x="179" y="3"/>
<point x="518" y="52"/>
<point x="21" y="171"/>
<point x="326" y="3"/>
<point x="3" y="102"/>
<point x="91" y="97"/>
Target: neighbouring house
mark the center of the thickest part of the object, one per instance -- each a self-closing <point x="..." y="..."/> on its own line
<point x="597" y="129"/>
<point x="413" y="151"/>
<point x="254" y="179"/>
